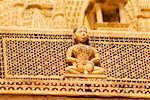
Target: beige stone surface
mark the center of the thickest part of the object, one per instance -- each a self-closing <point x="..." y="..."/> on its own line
<point x="33" y="32"/>
<point x="29" y="97"/>
<point x="64" y="14"/>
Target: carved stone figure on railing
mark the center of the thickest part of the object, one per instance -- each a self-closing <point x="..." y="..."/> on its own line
<point x="82" y="56"/>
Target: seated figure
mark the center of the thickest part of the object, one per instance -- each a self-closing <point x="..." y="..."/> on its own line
<point x="82" y="56"/>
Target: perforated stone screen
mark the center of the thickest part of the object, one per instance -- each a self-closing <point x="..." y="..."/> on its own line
<point x="125" y="60"/>
<point x="34" y="57"/>
<point x="43" y="55"/>
<point x="33" y="61"/>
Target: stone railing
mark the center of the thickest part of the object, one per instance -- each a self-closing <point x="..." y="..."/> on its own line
<point x="34" y="62"/>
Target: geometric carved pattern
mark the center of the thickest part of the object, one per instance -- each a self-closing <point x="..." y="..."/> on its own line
<point x="82" y="88"/>
<point x="1" y="61"/>
<point x="10" y="37"/>
<point x="35" y="57"/>
<point x="125" y="60"/>
<point x="75" y="10"/>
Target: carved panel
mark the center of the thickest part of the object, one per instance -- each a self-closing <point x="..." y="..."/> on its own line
<point x="33" y="62"/>
<point x="125" y="60"/>
<point x="33" y="58"/>
<point x="75" y="11"/>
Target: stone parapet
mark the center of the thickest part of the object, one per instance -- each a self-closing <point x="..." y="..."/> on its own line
<point x="33" y="62"/>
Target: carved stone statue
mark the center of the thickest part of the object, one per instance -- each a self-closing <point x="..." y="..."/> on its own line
<point x="82" y="56"/>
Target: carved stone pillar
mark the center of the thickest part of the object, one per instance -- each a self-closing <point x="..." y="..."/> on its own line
<point x="122" y="14"/>
<point x="99" y="15"/>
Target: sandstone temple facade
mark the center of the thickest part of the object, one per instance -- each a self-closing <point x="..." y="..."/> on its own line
<point x="126" y="15"/>
<point x="35" y="36"/>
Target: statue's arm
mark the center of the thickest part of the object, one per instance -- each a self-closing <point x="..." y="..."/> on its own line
<point x="69" y="56"/>
<point x="96" y="56"/>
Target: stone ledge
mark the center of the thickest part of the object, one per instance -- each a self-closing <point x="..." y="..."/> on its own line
<point x="85" y="76"/>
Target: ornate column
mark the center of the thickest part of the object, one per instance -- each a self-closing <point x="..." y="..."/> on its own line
<point x="122" y="14"/>
<point x="99" y="15"/>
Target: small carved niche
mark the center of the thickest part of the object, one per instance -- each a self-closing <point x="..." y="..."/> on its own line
<point x="110" y="12"/>
<point x="111" y="16"/>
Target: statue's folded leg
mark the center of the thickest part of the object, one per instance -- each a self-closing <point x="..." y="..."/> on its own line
<point x="72" y="70"/>
<point x="98" y="70"/>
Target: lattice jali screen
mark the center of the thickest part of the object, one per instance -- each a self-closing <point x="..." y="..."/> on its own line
<point x="33" y="55"/>
<point x="125" y="60"/>
<point x="26" y="58"/>
<point x="1" y="61"/>
<point x="33" y="62"/>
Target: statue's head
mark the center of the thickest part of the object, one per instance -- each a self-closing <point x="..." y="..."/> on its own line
<point x="81" y="35"/>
